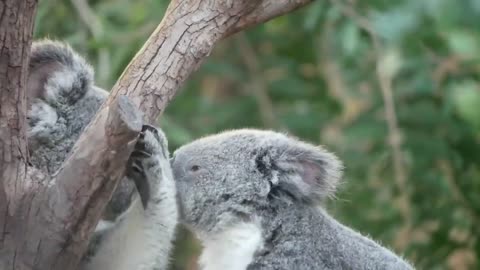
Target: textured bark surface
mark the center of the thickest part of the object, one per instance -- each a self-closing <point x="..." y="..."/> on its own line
<point x="16" y="27"/>
<point x="185" y="37"/>
<point x="48" y="227"/>
<point x="85" y="183"/>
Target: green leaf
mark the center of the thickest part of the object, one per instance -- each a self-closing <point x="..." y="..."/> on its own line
<point x="466" y="97"/>
<point x="464" y="43"/>
<point x="350" y="37"/>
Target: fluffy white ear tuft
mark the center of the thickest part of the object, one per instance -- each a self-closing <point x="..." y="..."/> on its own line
<point x="305" y="172"/>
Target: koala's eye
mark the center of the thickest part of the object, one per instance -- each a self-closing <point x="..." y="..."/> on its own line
<point x="194" y="168"/>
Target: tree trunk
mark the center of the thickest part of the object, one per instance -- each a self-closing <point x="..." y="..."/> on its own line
<point x="16" y="28"/>
<point x="46" y="224"/>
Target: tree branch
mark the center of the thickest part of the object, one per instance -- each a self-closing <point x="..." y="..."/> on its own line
<point x="16" y="28"/>
<point x="267" y="10"/>
<point x="100" y="158"/>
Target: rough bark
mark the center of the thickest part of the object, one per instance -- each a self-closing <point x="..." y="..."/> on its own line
<point x="186" y="35"/>
<point x="86" y="182"/>
<point x="16" y="28"/>
<point x="55" y="221"/>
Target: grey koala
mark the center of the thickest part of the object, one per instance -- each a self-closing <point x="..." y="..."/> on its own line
<point x="137" y="227"/>
<point x="62" y="100"/>
<point x="254" y="199"/>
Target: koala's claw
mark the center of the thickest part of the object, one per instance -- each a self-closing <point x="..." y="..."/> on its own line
<point x="152" y="129"/>
<point x="144" y="164"/>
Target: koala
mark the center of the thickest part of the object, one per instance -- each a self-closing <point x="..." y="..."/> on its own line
<point x="255" y="200"/>
<point x="61" y="102"/>
<point x="139" y="222"/>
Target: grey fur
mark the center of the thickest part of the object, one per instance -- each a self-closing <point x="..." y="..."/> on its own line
<point x="278" y="182"/>
<point x="70" y="101"/>
<point x="62" y="100"/>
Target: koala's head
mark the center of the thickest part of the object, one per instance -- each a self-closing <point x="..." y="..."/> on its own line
<point x="61" y="100"/>
<point x="229" y="176"/>
<point x="57" y="74"/>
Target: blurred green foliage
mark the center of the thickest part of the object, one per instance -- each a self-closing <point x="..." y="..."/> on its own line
<point x="391" y="86"/>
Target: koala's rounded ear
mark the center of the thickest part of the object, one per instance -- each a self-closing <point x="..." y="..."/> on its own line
<point x="305" y="172"/>
<point x="57" y="74"/>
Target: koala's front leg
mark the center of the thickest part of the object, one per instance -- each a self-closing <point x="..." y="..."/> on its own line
<point x="147" y="162"/>
<point x="149" y="168"/>
<point x="142" y="237"/>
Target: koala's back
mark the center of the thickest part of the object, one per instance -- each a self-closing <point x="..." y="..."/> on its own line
<point x="278" y="184"/>
<point x="306" y="239"/>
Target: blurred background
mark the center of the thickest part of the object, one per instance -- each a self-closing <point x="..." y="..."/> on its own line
<point x="392" y="87"/>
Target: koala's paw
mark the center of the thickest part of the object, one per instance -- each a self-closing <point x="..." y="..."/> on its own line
<point x="45" y="127"/>
<point x="41" y="118"/>
<point x="146" y="161"/>
<point x="68" y="86"/>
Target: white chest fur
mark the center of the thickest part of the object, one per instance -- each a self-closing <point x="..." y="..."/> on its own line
<point x="231" y="249"/>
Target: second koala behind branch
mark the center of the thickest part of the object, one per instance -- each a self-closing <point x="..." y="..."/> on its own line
<point x="254" y="199"/>
<point x="62" y="100"/>
<point x="135" y="233"/>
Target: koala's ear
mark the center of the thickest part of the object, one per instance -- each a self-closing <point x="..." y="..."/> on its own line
<point x="57" y="74"/>
<point x="305" y="172"/>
